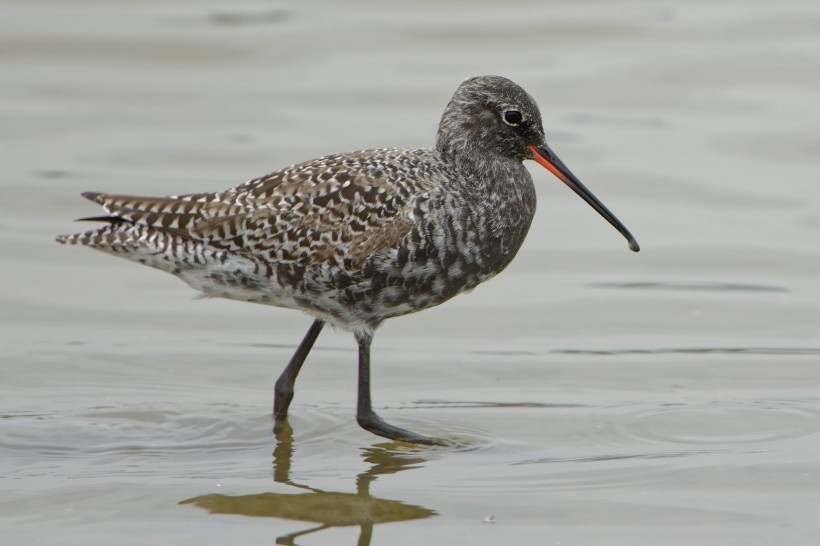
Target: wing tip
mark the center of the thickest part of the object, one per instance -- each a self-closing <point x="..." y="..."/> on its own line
<point x="109" y="219"/>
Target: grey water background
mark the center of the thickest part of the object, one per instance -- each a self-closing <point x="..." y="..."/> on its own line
<point x="598" y="396"/>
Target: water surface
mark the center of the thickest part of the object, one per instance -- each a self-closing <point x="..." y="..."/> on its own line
<point x="593" y="396"/>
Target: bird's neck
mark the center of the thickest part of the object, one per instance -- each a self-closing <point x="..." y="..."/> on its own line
<point x="493" y="175"/>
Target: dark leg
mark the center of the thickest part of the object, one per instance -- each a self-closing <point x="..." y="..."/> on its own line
<point x="365" y="415"/>
<point x="283" y="393"/>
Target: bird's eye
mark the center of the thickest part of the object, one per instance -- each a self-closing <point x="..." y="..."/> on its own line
<point x="513" y="117"/>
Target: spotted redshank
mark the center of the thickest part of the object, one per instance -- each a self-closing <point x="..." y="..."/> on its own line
<point x="357" y="238"/>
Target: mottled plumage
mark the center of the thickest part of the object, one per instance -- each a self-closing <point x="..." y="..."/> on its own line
<point x="356" y="238"/>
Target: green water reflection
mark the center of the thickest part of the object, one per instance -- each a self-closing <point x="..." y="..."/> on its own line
<point x="327" y="508"/>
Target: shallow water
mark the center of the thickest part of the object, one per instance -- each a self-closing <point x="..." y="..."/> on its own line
<point x="593" y="396"/>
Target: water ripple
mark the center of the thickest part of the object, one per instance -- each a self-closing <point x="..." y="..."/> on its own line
<point x="777" y="351"/>
<point x="626" y="444"/>
<point x="697" y="286"/>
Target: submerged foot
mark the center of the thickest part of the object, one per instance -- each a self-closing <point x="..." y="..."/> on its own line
<point x="375" y="424"/>
<point x="281" y="425"/>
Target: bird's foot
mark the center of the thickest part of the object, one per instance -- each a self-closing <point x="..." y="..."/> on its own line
<point x="375" y="424"/>
<point x="281" y="425"/>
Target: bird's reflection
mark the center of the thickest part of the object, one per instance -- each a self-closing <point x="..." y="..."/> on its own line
<point x="327" y="508"/>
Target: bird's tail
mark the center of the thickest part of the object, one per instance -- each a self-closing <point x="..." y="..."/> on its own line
<point x="148" y="230"/>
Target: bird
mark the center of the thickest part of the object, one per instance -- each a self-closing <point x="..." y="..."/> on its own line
<point x="353" y="239"/>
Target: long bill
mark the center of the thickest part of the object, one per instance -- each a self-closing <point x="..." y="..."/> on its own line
<point x="546" y="157"/>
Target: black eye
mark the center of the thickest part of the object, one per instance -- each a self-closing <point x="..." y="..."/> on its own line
<point x="513" y="117"/>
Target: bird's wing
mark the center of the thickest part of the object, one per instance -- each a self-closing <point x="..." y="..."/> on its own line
<point x="339" y="208"/>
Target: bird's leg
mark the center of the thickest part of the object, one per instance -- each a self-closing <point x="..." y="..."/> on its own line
<point x="283" y="393"/>
<point x="365" y="415"/>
